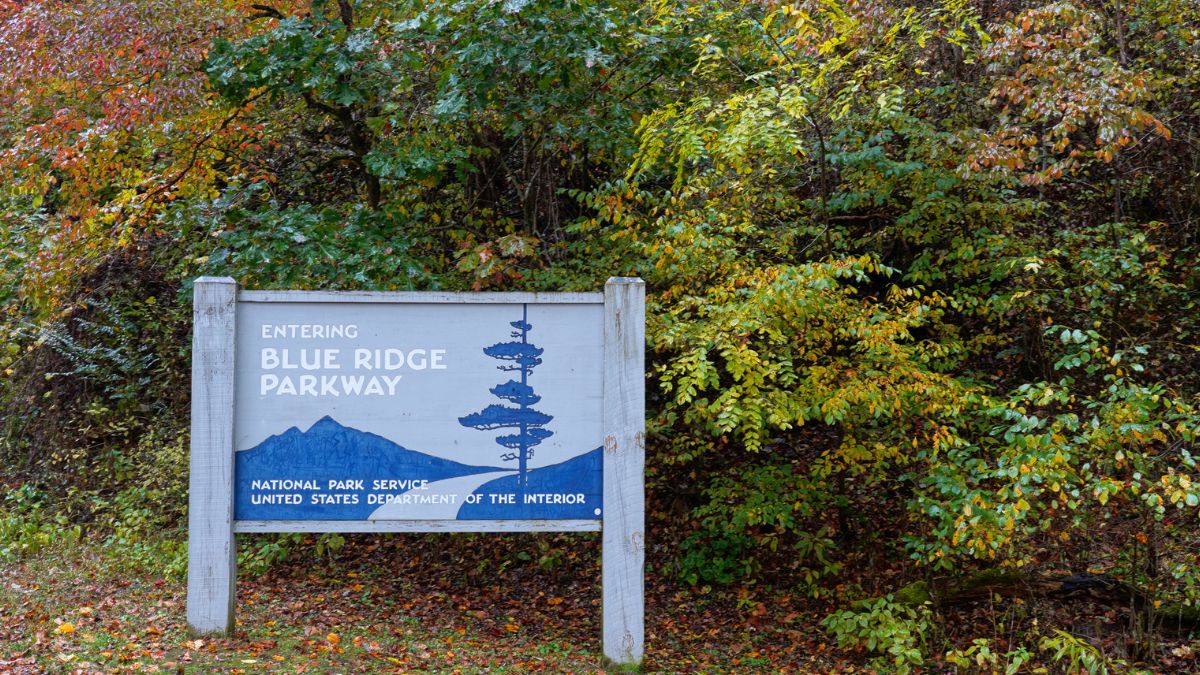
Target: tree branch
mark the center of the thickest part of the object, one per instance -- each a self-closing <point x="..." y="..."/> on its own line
<point x="266" y="12"/>
<point x="191" y="164"/>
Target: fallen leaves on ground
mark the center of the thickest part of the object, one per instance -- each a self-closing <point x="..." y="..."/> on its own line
<point x="398" y="605"/>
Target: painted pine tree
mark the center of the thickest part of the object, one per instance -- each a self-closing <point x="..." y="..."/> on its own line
<point x="523" y="357"/>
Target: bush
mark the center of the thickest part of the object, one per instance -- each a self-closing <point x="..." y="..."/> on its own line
<point x="27" y="526"/>
<point x="885" y="627"/>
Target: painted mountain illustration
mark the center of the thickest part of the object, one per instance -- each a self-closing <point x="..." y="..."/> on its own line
<point x="569" y="490"/>
<point x="287" y="476"/>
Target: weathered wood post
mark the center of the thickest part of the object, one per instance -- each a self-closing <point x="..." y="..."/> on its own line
<point x="212" y="554"/>
<point x="312" y="367"/>
<point x="624" y="541"/>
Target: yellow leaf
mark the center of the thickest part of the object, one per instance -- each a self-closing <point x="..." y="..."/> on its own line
<point x="65" y="628"/>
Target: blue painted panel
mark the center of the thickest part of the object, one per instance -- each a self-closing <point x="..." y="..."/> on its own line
<point x="457" y="425"/>
<point x="573" y="489"/>
<point x="325" y="453"/>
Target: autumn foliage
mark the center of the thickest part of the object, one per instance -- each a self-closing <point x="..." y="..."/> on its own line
<point x="922" y="276"/>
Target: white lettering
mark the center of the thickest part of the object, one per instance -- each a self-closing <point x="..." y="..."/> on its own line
<point x="399" y="484"/>
<point x="327" y="388"/>
<point x="310" y="364"/>
<point x="391" y="383"/>
<point x="416" y="359"/>
<point x="352" y="385"/>
<point x="286" y="387"/>
<point x="308" y="385"/>
<point x="393" y="359"/>
<point x="362" y="359"/>
<point x="308" y="331"/>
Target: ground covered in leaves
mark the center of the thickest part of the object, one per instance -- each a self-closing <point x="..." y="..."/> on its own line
<point x="392" y="604"/>
<point x="472" y="604"/>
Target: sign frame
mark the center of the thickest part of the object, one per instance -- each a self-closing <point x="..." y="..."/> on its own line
<point x="212" y="546"/>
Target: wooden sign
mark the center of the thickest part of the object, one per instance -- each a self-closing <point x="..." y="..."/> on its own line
<point x="417" y="412"/>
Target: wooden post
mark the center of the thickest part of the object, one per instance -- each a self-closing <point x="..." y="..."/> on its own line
<point x="212" y="553"/>
<point x="624" y="540"/>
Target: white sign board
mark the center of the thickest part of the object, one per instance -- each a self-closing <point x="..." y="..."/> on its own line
<point x="386" y="412"/>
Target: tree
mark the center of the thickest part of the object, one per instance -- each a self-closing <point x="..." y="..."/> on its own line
<point x="530" y="423"/>
<point x="107" y="122"/>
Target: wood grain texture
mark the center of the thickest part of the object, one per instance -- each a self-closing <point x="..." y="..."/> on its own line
<point x="212" y="554"/>
<point x="427" y="297"/>
<point x="624" y="542"/>
<point x="417" y="526"/>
